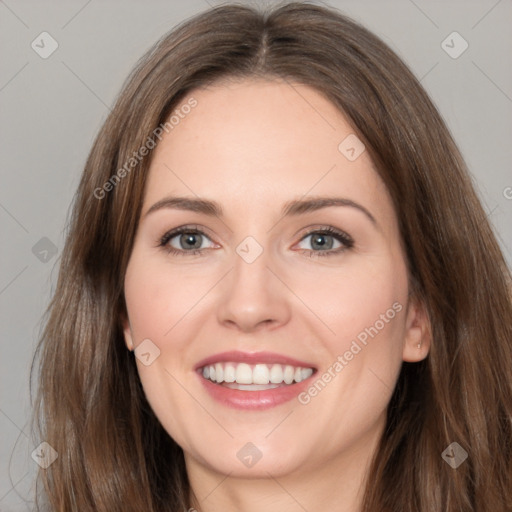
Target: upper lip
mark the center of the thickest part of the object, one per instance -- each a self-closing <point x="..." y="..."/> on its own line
<point x="237" y="356"/>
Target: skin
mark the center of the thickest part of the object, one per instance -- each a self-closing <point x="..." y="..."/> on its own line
<point x="253" y="145"/>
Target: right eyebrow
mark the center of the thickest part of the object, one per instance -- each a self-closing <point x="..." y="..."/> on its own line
<point x="204" y="206"/>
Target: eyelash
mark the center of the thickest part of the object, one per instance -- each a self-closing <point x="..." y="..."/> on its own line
<point x="340" y="236"/>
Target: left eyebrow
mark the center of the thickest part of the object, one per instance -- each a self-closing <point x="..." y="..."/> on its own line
<point x="291" y="208"/>
<point x="302" y="206"/>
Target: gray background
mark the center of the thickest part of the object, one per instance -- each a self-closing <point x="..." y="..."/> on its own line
<point x="52" y="108"/>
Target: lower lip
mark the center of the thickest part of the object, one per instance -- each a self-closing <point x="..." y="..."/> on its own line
<point x="254" y="400"/>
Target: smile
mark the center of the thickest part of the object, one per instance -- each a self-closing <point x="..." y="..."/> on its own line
<point x="253" y="381"/>
<point x="254" y="377"/>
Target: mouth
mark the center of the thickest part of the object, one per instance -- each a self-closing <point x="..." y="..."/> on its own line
<point x="253" y="381"/>
<point x="254" y="377"/>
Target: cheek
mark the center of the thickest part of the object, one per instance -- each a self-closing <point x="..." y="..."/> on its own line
<point x="157" y="305"/>
<point x="362" y="300"/>
<point x="158" y="299"/>
<point x="364" y="309"/>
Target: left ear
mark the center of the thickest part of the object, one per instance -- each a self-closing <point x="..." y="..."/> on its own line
<point x="418" y="332"/>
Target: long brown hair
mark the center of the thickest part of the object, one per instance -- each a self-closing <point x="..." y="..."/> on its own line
<point x="90" y="407"/>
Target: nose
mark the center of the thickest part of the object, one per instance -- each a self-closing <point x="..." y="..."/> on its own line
<point x="253" y="296"/>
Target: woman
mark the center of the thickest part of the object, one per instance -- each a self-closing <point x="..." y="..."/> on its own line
<point x="279" y="290"/>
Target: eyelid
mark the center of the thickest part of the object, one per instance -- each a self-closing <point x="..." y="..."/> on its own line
<point x="187" y="228"/>
<point x="346" y="241"/>
<point x="320" y="228"/>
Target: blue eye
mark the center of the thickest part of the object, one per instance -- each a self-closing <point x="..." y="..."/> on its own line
<point x="324" y="240"/>
<point x="189" y="241"/>
<point x="187" y="238"/>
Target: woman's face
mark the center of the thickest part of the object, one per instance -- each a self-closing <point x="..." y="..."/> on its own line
<point x="272" y="285"/>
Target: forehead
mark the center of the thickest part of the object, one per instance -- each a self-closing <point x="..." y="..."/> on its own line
<point x="258" y="142"/>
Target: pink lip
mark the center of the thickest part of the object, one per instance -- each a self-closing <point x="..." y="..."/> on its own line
<point x="236" y="356"/>
<point x="253" y="400"/>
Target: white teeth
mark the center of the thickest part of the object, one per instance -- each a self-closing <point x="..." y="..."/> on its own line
<point x="276" y="374"/>
<point x="306" y="373"/>
<point x="243" y="374"/>
<point x="288" y="374"/>
<point x="251" y="387"/>
<point x="219" y="372"/>
<point x="255" y="377"/>
<point x="260" y="374"/>
<point x="229" y="373"/>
